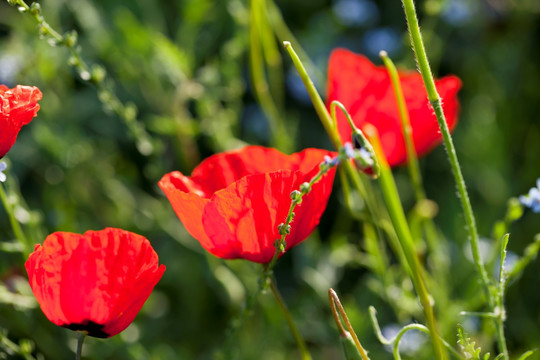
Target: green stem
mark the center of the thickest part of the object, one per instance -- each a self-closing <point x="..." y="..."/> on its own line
<point x="422" y="328"/>
<point x="271" y="55"/>
<point x="258" y="77"/>
<point x="412" y="158"/>
<point x="499" y="309"/>
<point x="420" y="52"/>
<point x="296" y="198"/>
<point x="337" y="311"/>
<point x="17" y="229"/>
<point x="434" y="242"/>
<point x="436" y="103"/>
<point x="294" y="330"/>
<point x="397" y="339"/>
<point x="399" y="221"/>
<point x="80" y="339"/>
<point x="320" y="108"/>
<point x="280" y="245"/>
<point x="358" y="181"/>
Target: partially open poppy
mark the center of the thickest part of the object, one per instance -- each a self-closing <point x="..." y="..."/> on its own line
<point x="366" y="91"/>
<point x="233" y="202"/>
<point x="96" y="282"/>
<point x="17" y="108"/>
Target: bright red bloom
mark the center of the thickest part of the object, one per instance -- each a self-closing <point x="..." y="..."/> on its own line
<point x="96" y="282"/>
<point x="233" y="202"/>
<point x="17" y="108"/>
<point x="366" y="91"/>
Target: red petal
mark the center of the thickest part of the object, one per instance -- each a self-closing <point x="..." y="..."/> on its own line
<point x="220" y="170"/>
<point x="188" y="202"/>
<point x="251" y="189"/>
<point x="366" y="92"/>
<point x="17" y="108"/>
<point x="102" y="277"/>
<point x="242" y="220"/>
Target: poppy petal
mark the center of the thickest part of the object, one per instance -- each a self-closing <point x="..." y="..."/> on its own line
<point x="17" y="108"/>
<point x="241" y="220"/>
<point x="188" y="202"/>
<point x="95" y="282"/>
<point x="366" y="91"/>
<point x="234" y="201"/>
<point x="220" y="170"/>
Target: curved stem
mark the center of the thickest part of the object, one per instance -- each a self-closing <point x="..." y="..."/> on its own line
<point x="335" y="304"/>
<point x="397" y="339"/>
<point x="292" y="326"/>
<point x="424" y="329"/>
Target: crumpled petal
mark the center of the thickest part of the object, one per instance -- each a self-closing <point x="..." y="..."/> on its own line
<point x="95" y="282"/>
<point x="234" y="201"/>
<point x="17" y="108"/>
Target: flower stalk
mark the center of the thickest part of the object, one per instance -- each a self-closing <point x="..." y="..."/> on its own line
<point x="399" y="220"/>
<point x="397" y="215"/>
<point x="338" y="311"/>
<point x="412" y="158"/>
<point x="292" y="326"/>
<point x="80" y="339"/>
<point x="436" y="103"/>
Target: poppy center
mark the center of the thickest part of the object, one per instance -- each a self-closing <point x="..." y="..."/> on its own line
<point x="92" y="328"/>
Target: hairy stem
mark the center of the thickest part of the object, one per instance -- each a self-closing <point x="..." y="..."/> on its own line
<point x="436" y="103"/>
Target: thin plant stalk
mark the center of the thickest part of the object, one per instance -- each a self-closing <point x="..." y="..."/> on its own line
<point x="397" y="214"/>
<point x="292" y="326"/>
<point x="258" y="77"/>
<point x="336" y="306"/>
<point x="412" y="158"/>
<point x="436" y="103"/>
<point x="17" y="229"/>
<point x="395" y="341"/>
<point x="284" y="229"/>
<point x="433" y="240"/>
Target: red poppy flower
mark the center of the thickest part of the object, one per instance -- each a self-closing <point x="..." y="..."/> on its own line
<point x="366" y="92"/>
<point x="17" y="108"/>
<point x="96" y="282"/>
<point x="233" y="202"/>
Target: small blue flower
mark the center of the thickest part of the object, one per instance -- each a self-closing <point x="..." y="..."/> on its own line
<point x="332" y="161"/>
<point x="361" y="156"/>
<point x="349" y="150"/>
<point x="3" y="166"/>
<point x="532" y="199"/>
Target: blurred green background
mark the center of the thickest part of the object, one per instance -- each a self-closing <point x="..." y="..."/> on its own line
<point x="186" y="66"/>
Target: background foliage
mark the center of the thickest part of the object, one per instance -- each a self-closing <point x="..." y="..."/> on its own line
<point x="185" y="66"/>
